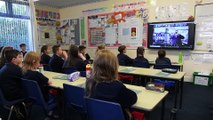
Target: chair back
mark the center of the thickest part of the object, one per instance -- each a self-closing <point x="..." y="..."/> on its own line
<point x="33" y="92"/>
<point x="103" y="110"/>
<point x="74" y="96"/>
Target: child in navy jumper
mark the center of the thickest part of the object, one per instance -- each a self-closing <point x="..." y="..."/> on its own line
<point x="30" y="64"/>
<point x="123" y="59"/>
<point x="103" y="83"/>
<point x="45" y="51"/>
<point x="162" y="59"/>
<point x="140" y="60"/>
<point x="10" y="76"/>
<point x="23" y="48"/>
<point x="57" y="60"/>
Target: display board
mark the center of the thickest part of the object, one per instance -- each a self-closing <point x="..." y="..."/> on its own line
<point x="70" y="31"/>
<point x="113" y="29"/>
<point x="204" y="27"/>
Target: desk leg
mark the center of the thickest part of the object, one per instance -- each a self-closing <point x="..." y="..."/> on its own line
<point x="163" y="109"/>
<point x="176" y="93"/>
<point x="181" y="92"/>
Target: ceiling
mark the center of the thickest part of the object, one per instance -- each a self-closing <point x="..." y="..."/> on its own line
<point x="65" y="3"/>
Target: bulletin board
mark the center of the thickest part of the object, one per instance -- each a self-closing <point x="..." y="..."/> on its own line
<point x="113" y="29"/>
<point x="47" y="22"/>
<point x="70" y="31"/>
<point x="204" y="27"/>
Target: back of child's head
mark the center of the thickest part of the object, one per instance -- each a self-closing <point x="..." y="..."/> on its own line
<point x="22" y="45"/>
<point x="44" y="48"/>
<point x="55" y="48"/>
<point x="105" y="66"/>
<point x="140" y="51"/>
<point x="3" y="51"/>
<point x="31" y="59"/>
<point x="121" y="48"/>
<point x="81" y="47"/>
<point x="10" y="54"/>
<point x="73" y="51"/>
<point x="161" y="53"/>
<point x="100" y="47"/>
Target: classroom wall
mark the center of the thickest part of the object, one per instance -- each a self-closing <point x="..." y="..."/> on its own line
<point x="189" y="66"/>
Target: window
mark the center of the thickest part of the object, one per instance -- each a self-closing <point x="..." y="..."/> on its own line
<point x="2" y="7"/>
<point x="15" y="24"/>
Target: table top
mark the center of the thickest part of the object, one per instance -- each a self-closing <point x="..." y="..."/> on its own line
<point x="150" y="72"/>
<point x="147" y="100"/>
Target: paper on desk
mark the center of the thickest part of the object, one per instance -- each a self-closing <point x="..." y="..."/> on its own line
<point x="128" y="69"/>
<point x="62" y="77"/>
<point x="163" y="74"/>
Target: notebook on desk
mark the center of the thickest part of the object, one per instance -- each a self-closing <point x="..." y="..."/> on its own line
<point x="61" y="77"/>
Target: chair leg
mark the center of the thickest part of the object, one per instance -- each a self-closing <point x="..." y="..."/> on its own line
<point x="11" y="111"/>
<point x="25" y="109"/>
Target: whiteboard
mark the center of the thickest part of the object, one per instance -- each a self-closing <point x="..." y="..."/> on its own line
<point x="204" y="27"/>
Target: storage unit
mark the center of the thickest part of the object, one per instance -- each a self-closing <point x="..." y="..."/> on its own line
<point x="204" y="79"/>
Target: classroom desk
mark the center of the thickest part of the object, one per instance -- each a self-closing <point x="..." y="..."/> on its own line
<point x="176" y="64"/>
<point x="154" y="73"/>
<point x="147" y="100"/>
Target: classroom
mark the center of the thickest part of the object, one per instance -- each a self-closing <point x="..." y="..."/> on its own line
<point x="106" y="59"/>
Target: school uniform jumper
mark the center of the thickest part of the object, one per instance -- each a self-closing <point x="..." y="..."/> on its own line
<point x="124" y="60"/>
<point x="163" y="61"/>
<point x="45" y="59"/>
<point x="141" y="62"/>
<point x="56" y="63"/>
<point x="115" y="91"/>
<point x="10" y="81"/>
<point x="40" y="79"/>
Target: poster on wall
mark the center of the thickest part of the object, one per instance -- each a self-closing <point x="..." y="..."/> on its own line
<point x="173" y="12"/>
<point x="114" y="29"/>
<point x="70" y="32"/>
<point x="204" y="27"/>
<point x="47" y="22"/>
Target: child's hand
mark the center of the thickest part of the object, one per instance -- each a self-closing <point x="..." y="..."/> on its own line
<point x="49" y="82"/>
<point x="64" y="55"/>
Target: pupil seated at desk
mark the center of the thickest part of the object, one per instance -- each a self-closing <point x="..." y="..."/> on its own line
<point x="74" y="60"/>
<point x="82" y="52"/>
<point x="140" y="60"/>
<point x="162" y="59"/>
<point x="123" y="59"/>
<point x="103" y="83"/>
<point x="45" y="51"/>
<point x="57" y="60"/>
<point x="30" y="64"/>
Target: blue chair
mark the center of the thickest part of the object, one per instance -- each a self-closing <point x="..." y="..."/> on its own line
<point x="74" y="99"/>
<point x="103" y="110"/>
<point x="11" y="104"/>
<point x="34" y="93"/>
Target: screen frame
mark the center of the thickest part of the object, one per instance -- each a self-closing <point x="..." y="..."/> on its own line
<point x="191" y="31"/>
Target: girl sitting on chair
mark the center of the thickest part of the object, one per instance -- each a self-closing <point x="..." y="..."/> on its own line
<point x="103" y="83"/>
